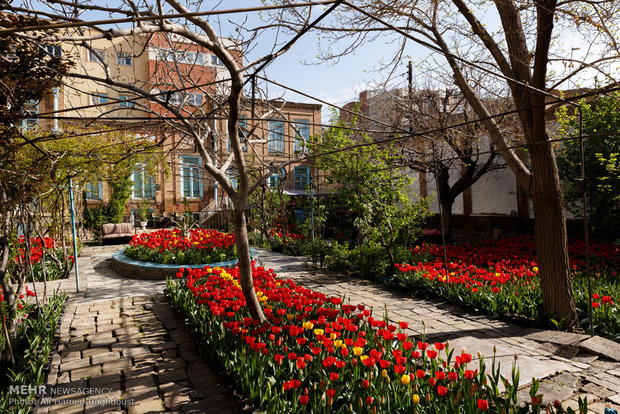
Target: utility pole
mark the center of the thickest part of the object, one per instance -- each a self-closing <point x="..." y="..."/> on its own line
<point x="410" y="97"/>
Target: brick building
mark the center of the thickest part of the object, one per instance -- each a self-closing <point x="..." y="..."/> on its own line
<point x="192" y="87"/>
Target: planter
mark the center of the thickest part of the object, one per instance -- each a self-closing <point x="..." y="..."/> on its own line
<point x="143" y="223"/>
<point x="157" y="271"/>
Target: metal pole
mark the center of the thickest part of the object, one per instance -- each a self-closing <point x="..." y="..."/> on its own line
<point x="253" y="97"/>
<point x="75" y="251"/>
<point x="410" y="106"/>
<point x="312" y="208"/>
<point x="585" y="218"/>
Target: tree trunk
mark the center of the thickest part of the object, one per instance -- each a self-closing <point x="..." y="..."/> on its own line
<point x="446" y="217"/>
<point x="551" y="239"/>
<point x="245" y="264"/>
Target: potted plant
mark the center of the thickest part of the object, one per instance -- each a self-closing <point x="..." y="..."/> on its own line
<point x="141" y="213"/>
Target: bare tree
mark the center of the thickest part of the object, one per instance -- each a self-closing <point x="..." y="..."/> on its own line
<point x="529" y="60"/>
<point x="456" y="157"/>
<point x="167" y="95"/>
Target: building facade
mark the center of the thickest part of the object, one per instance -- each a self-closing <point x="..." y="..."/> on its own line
<point x="192" y="81"/>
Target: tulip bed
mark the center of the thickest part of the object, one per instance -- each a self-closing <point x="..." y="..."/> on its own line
<point x="502" y="278"/>
<point x="201" y="246"/>
<point x="316" y="354"/>
<point x="42" y="250"/>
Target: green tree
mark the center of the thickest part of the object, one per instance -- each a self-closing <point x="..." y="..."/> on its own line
<point x="369" y="183"/>
<point x="601" y="156"/>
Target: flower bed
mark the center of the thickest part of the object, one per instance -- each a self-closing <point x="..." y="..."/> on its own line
<point x="46" y="249"/>
<point x="202" y="246"/>
<point x="502" y="278"/>
<point x="317" y="354"/>
<point x="33" y="350"/>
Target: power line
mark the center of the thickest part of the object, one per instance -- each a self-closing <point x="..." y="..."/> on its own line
<point x="158" y="16"/>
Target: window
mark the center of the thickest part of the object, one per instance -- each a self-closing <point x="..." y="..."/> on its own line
<point x="124" y="101"/>
<point x="53" y="50"/>
<point x="303" y="131"/>
<point x="273" y="181"/>
<point x="94" y="190"/>
<point x="243" y="132"/>
<point x="31" y="108"/>
<point x="178" y="98"/>
<point x="143" y="183"/>
<point x="276" y="136"/>
<point x="99" y="98"/>
<point x="215" y="61"/>
<point x="233" y="177"/>
<point x="180" y="56"/>
<point x="96" y="55"/>
<point x="191" y="177"/>
<point x="301" y="177"/>
<point x="194" y="99"/>
<point x="124" y="59"/>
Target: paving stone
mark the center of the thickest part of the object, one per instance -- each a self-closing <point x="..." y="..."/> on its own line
<point x="602" y="346"/>
<point x="144" y="381"/>
<point x="174" y="375"/>
<point x="99" y="335"/>
<point x="95" y="351"/>
<point x="615" y="399"/>
<point x="595" y="389"/>
<point x="103" y="342"/>
<point x="71" y="356"/>
<point x="144" y="393"/>
<point x="115" y="366"/>
<point x="176" y="401"/>
<point x="163" y="346"/>
<point x="63" y="378"/>
<point x="135" y="351"/>
<point x="174" y="388"/>
<point x="112" y="380"/>
<point x="68" y="409"/>
<point x="585" y="358"/>
<point x="168" y="365"/>
<point x="87" y="372"/>
<point x="105" y="357"/>
<point x="612" y="381"/>
<point x="75" y="346"/>
<point x="136" y="372"/>
<point x="146" y="407"/>
<point x="108" y="328"/>
<point x="75" y="364"/>
<point x="604" y="383"/>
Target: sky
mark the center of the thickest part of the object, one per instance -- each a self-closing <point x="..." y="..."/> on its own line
<point x="337" y="83"/>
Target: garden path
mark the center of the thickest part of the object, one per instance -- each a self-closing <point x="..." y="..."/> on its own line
<point x="120" y="336"/>
<point x="571" y="365"/>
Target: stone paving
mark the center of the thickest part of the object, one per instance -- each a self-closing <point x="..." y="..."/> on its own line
<point x="120" y="336"/>
<point x="120" y="333"/>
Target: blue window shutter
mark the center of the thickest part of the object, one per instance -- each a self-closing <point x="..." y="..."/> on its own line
<point x="138" y="185"/>
<point x="303" y="129"/>
<point x="149" y="187"/>
<point x="196" y="182"/>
